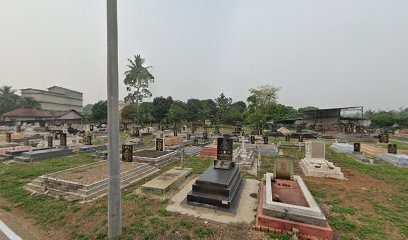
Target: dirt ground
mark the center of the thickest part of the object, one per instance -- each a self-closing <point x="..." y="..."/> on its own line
<point x="93" y="173"/>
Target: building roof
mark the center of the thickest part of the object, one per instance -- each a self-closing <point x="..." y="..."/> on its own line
<point x="63" y="88"/>
<point x="62" y="113"/>
<point x="27" y="112"/>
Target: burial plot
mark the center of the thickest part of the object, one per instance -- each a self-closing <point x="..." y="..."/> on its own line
<point x="31" y="156"/>
<point x="315" y="164"/>
<point x="246" y="160"/>
<point x="219" y="185"/>
<point x="167" y="181"/>
<point x="154" y="157"/>
<point x="286" y="203"/>
<point x="127" y="152"/>
<point x="89" y="182"/>
<point x="342" y="146"/>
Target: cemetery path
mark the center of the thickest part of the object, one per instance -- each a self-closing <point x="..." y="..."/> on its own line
<point x="23" y="227"/>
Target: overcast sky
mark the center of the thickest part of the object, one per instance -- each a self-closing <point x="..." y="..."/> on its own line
<point x="321" y="53"/>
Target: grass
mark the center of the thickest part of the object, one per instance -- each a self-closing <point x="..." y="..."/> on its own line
<point x="44" y="209"/>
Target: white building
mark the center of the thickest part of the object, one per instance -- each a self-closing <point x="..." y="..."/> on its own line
<point x="56" y="98"/>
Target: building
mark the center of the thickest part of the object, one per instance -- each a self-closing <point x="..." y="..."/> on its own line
<point x="30" y="115"/>
<point x="57" y="99"/>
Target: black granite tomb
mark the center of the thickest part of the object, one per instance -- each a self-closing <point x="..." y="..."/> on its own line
<point x="63" y="139"/>
<point x="252" y="139"/>
<point x="91" y="128"/>
<point x="50" y="141"/>
<point x="383" y="138"/>
<point x="127" y="153"/>
<point x="8" y="137"/>
<point x="89" y="140"/>
<point x="205" y="136"/>
<point x="392" y="148"/>
<point x="287" y="138"/>
<point x="159" y="144"/>
<point x="219" y="185"/>
<point x="357" y="147"/>
<point x="266" y="139"/>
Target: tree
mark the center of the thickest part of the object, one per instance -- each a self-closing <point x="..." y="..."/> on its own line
<point x="161" y="107"/>
<point x="130" y="113"/>
<point x="8" y="99"/>
<point x="306" y="109"/>
<point x="176" y="114"/>
<point x="100" y="111"/>
<point x="208" y="110"/>
<point x="28" y="102"/>
<point x="137" y="81"/>
<point x="240" y="105"/>
<point x="262" y="97"/>
<point x="223" y="103"/>
<point x="261" y="103"/>
<point x="233" y="114"/>
<point x="88" y="108"/>
<point x="193" y="107"/>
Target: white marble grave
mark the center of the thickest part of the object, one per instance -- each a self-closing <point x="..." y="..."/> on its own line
<point x="315" y="164"/>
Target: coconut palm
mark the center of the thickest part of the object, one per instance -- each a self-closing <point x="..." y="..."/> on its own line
<point x="137" y="81"/>
<point x="8" y="99"/>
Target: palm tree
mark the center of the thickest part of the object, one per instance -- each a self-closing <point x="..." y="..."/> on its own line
<point x="8" y="99"/>
<point x="28" y="102"/>
<point x="138" y="78"/>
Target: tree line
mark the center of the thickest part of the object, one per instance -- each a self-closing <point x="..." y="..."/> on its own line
<point x="9" y="100"/>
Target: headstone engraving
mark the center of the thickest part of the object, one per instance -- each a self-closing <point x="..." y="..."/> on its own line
<point x="50" y="141"/>
<point x="252" y="139"/>
<point x="392" y="148"/>
<point x="63" y="139"/>
<point x="159" y="144"/>
<point x="127" y="153"/>
<point x="8" y="137"/>
<point x="266" y="139"/>
<point x="283" y="168"/>
<point x="357" y="147"/>
<point x="224" y="153"/>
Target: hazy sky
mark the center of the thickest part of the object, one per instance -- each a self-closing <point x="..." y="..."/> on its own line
<point x="321" y="53"/>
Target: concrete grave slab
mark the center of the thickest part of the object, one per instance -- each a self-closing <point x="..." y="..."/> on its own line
<point x="167" y="181"/>
<point x="244" y="212"/>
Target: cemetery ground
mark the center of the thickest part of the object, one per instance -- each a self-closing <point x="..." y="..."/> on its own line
<point x="370" y="204"/>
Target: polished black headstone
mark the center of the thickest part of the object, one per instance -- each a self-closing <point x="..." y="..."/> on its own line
<point x="266" y="139"/>
<point x="357" y="147"/>
<point x="159" y="144"/>
<point x="8" y="137"/>
<point x="50" y="141"/>
<point x="127" y="153"/>
<point x="392" y="148"/>
<point x="252" y="139"/>
<point x="91" y="128"/>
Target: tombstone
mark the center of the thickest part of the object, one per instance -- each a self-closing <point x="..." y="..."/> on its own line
<point x="127" y="153"/>
<point x="283" y="168"/>
<point x="159" y="144"/>
<point x="188" y="136"/>
<point x="205" y="136"/>
<point x="195" y="143"/>
<point x="252" y="139"/>
<point x="63" y="139"/>
<point x="349" y="128"/>
<point x="89" y="140"/>
<point x="224" y="153"/>
<point x="26" y="141"/>
<point x="184" y="128"/>
<point x="137" y="132"/>
<point x="175" y="132"/>
<point x="8" y="137"/>
<point x="383" y="138"/>
<point x="162" y="128"/>
<point x="357" y="147"/>
<point x="193" y="128"/>
<point x="260" y="131"/>
<point x="392" y="148"/>
<point x="287" y="138"/>
<point x="300" y="138"/>
<point x="217" y="130"/>
<point x="298" y="128"/>
<point x="50" y="141"/>
<point x="265" y="139"/>
<point x="91" y="127"/>
<point x="18" y="128"/>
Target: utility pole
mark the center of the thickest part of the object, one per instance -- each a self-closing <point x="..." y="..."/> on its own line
<point x="114" y="205"/>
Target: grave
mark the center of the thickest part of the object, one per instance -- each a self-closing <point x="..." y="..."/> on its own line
<point x="246" y="160"/>
<point x="395" y="159"/>
<point x="342" y="147"/>
<point x="167" y="181"/>
<point x="89" y="182"/>
<point x="209" y="151"/>
<point x="31" y="156"/>
<point x="285" y="203"/>
<point x="315" y="164"/>
<point x="154" y="157"/>
<point x="191" y="150"/>
<point x="220" y="185"/>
